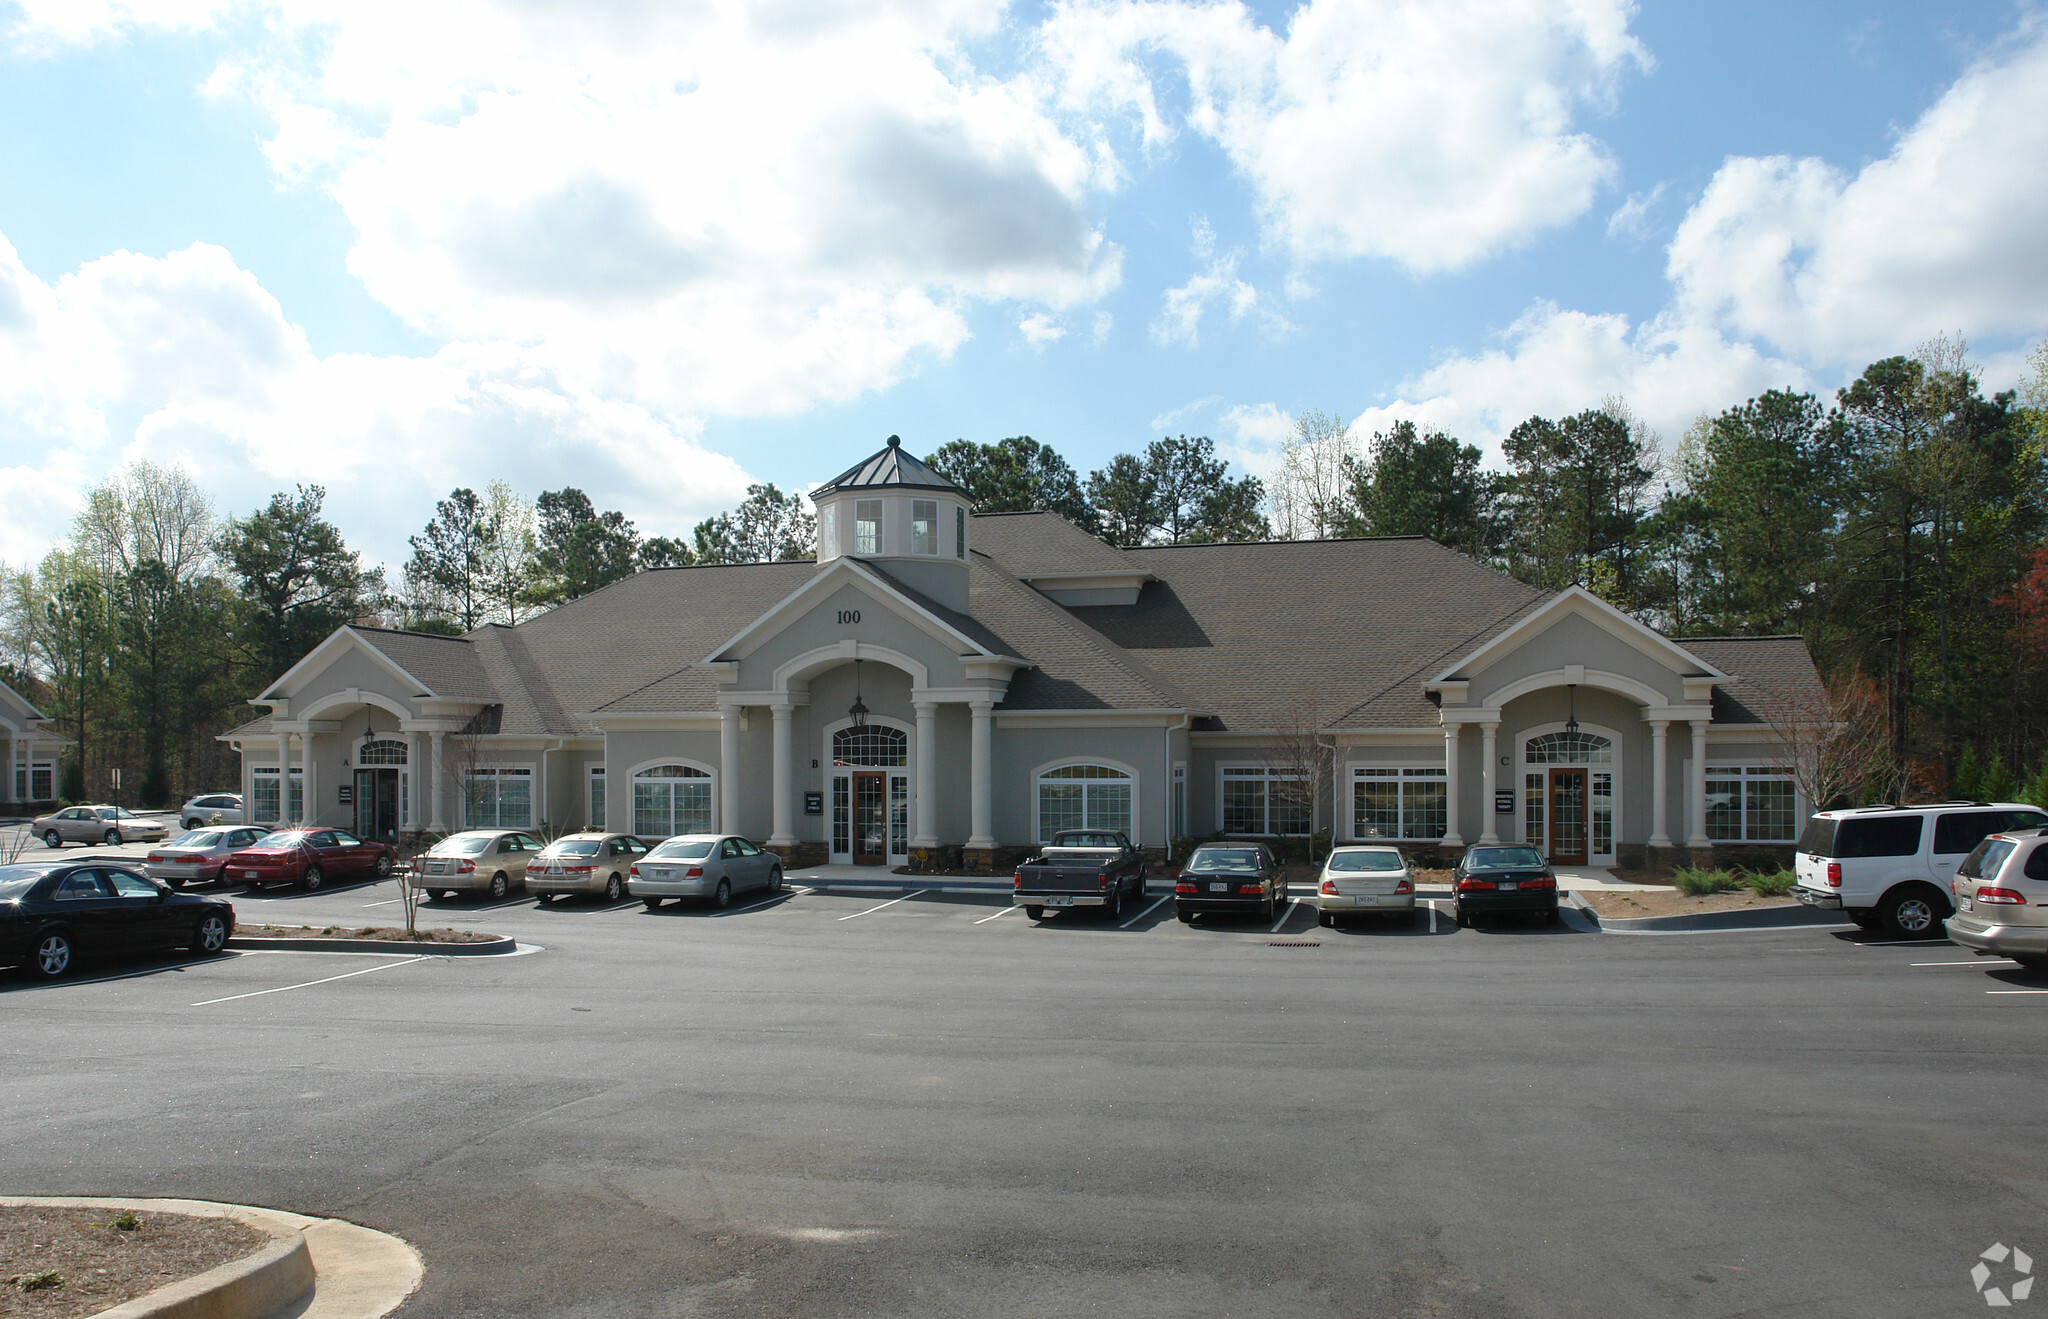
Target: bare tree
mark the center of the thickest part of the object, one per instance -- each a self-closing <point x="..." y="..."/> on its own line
<point x="1835" y="739"/>
<point x="1299" y="759"/>
<point x="1308" y="492"/>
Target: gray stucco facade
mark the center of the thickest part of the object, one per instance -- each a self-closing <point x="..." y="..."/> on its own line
<point x="938" y="680"/>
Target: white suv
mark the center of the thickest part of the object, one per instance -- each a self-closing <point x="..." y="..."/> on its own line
<point x="1891" y="866"/>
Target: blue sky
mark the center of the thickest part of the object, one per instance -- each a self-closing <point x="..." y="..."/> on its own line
<point x="659" y="251"/>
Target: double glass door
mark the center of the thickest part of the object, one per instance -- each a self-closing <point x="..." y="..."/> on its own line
<point x="1568" y="833"/>
<point x="377" y="803"/>
<point x="871" y="816"/>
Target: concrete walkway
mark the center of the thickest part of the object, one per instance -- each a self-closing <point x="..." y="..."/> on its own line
<point x="1599" y="879"/>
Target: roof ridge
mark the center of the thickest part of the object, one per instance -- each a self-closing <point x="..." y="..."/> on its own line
<point x="533" y="681"/>
<point x="1459" y="648"/>
<point x="1145" y="674"/>
<point x="1305" y="540"/>
<point x="405" y="632"/>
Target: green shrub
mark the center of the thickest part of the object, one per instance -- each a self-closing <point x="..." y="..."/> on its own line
<point x="1770" y="883"/>
<point x="35" y="1282"/>
<point x="125" y="1221"/>
<point x="1697" y="883"/>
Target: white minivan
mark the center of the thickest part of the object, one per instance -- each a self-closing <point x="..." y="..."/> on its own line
<point x="1891" y="867"/>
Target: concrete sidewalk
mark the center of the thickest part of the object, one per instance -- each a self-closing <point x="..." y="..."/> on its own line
<point x="1599" y="879"/>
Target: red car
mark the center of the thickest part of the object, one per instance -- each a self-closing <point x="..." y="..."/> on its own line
<point x="307" y="858"/>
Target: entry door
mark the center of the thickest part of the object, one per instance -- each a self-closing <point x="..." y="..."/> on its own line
<point x="870" y="820"/>
<point x="376" y="803"/>
<point x="1568" y="816"/>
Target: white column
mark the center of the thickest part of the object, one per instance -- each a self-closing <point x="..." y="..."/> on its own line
<point x="1452" y="838"/>
<point x="1489" y="745"/>
<point x="1698" y="837"/>
<point x="310" y="749"/>
<point x="284" y="780"/>
<point x="785" y="803"/>
<point x="1660" y="755"/>
<point x="728" y="769"/>
<point x="927" y="753"/>
<point x="415" y="776"/>
<point x="981" y="777"/>
<point x="437" y="791"/>
<point x="7" y="792"/>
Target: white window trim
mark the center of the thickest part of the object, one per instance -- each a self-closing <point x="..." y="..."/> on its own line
<point x="1746" y="774"/>
<point x="593" y="775"/>
<point x="1038" y="774"/>
<point x="633" y="774"/>
<point x="509" y="769"/>
<point x="1176" y="781"/>
<point x="938" y="541"/>
<point x="1423" y="772"/>
<point x="1524" y="767"/>
<point x="880" y="521"/>
<point x="284" y="805"/>
<point x="908" y="769"/>
<point x="1271" y="775"/>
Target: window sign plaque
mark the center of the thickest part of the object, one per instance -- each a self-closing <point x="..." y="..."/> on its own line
<point x="814" y="803"/>
<point x="346" y="793"/>
<point x="1504" y="801"/>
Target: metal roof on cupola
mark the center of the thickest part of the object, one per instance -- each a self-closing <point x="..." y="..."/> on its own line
<point x="891" y="467"/>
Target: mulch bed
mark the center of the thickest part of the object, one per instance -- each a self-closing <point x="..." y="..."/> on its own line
<point x="103" y="1266"/>
<point x="384" y="933"/>
<point x="1617" y="902"/>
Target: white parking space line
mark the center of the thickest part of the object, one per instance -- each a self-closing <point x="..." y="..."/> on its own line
<point x="771" y="898"/>
<point x="1432" y="916"/>
<point x="890" y="903"/>
<point x="986" y="919"/>
<point x="307" y="984"/>
<point x="385" y="903"/>
<point x="2016" y="991"/>
<point x="130" y="975"/>
<point x="1903" y="943"/>
<point x="1140" y="916"/>
<point x="1979" y="961"/>
<point x="1285" y="916"/>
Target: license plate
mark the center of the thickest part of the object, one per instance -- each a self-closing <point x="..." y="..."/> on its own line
<point x="1219" y="888"/>
<point x="1511" y="883"/>
<point x="248" y="874"/>
<point x="657" y="874"/>
<point x="1059" y="902"/>
<point x="551" y="870"/>
<point x="1965" y="903"/>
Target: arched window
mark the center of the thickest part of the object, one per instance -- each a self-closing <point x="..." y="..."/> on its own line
<point x="1571" y="749"/>
<point x="382" y="752"/>
<point x="876" y="744"/>
<point x="671" y="799"/>
<point x="1083" y="797"/>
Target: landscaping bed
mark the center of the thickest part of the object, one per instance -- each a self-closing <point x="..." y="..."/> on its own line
<point x="1670" y="902"/>
<point x="102" y="1265"/>
<point x="378" y="933"/>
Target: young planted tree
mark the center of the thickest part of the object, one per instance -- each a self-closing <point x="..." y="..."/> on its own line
<point x="1835" y="741"/>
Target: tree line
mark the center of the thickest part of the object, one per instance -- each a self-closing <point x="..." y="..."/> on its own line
<point x="1899" y="528"/>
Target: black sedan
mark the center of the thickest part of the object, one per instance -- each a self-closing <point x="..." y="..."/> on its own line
<point x="1243" y="878"/>
<point x="52" y="914"/>
<point x="1493" y="880"/>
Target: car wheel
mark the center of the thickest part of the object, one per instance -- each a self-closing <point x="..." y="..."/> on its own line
<point x="775" y="880"/>
<point x="53" y="955"/>
<point x="500" y="886"/>
<point x="1113" y="910"/>
<point x="1326" y="920"/>
<point x="175" y="882"/>
<point x="2031" y="961"/>
<point x="383" y="866"/>
<point x="1551" y="918"/>
<point x="53" y="839"/>
<point x="1034" y="913"/>
<point x="544" y="899"/>
<point x="723" y="897"/>
<point x="1464" y="918"/>
<point x="1186" y="917"/>
<point x="211" y="936"/>
<point x="311" y="880"/>
<point x="112" y="838"/>
<point x="1912" y="912"/>
<point x="613" y="888"/>
<point x="651" y="904"/>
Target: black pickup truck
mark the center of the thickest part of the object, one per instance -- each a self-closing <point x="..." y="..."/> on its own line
<point x="1081" y="868"/>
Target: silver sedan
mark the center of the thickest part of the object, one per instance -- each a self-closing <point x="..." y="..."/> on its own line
<point x="197" y="857"/>
<point x="584" y="863"/>
<point x="710" y="866"/>
<point x="97" y="824"/>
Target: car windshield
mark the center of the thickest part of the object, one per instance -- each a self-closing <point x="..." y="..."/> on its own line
<point x="463" y="846"/>
<point x="282" y="838"/>
<point x="1365" y="861"/>
<point x="1503" y="858"/>
<point x="577" y="847"/>
<point x="1225" y="858"/>
<point x="198" y="838"/>
<point x="694" y="850"/>
<point x="1989" y="856"/>
<point x="1085" y="840"/>
<point x="15" y="880"/>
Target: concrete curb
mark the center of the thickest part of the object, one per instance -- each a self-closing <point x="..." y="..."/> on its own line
<point x="1763" y="918"/>
<point x="316" y="1268"/>
<point x="321" y="944"/>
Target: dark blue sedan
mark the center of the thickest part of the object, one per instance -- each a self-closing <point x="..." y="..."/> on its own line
<point x="53" y="914"/>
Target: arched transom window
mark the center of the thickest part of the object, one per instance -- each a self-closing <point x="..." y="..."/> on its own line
<point x="382" y="752"/>
<point x="1579" y="748"/>
<point x="1083" y="797"/>
<point x="671" y="799"/>
<point x="876" y="744"/>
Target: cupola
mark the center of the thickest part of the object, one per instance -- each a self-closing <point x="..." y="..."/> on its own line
<point x="908" y="519"/>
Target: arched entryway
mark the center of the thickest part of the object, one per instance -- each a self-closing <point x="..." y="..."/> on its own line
<point x="867" y="791"/>
<point x="1571" y="793"/>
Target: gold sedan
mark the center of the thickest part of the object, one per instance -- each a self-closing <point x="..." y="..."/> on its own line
<point x="584" y="863"/>
<point x="491" y="861"/>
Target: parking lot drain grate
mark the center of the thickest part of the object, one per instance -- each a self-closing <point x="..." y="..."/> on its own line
<point x="1294" y="943"/>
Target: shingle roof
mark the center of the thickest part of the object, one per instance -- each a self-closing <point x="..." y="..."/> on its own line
<point x="1044" y="545"/>
<point x="258" y="727"/>
<point x="449" y="666"/>
<point x="1337" y="632"/>
<point x="893" y="466"/>
<point x="1763" y="672"/>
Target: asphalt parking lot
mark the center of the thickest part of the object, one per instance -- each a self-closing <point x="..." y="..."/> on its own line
<point x="868" y="1103"/>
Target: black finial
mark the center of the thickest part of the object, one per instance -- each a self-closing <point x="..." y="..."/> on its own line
<point x="895" y="441"/>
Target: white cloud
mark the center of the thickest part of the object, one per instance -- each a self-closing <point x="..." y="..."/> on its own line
<point x="1430" y="132"/>
<point x="1631" y="220"/>
<point x="1180" y="319"/>
<point x="1040" y="329"/>
<point x="1942" y="234"/>
<point x="186" y="359"/>
<point x="1553" y="363"/>
<point x="1256" y="433"/>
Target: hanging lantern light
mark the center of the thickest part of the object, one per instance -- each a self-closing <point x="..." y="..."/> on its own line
<point x="858" y="711"/>
<point x="1571" y="718"/>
